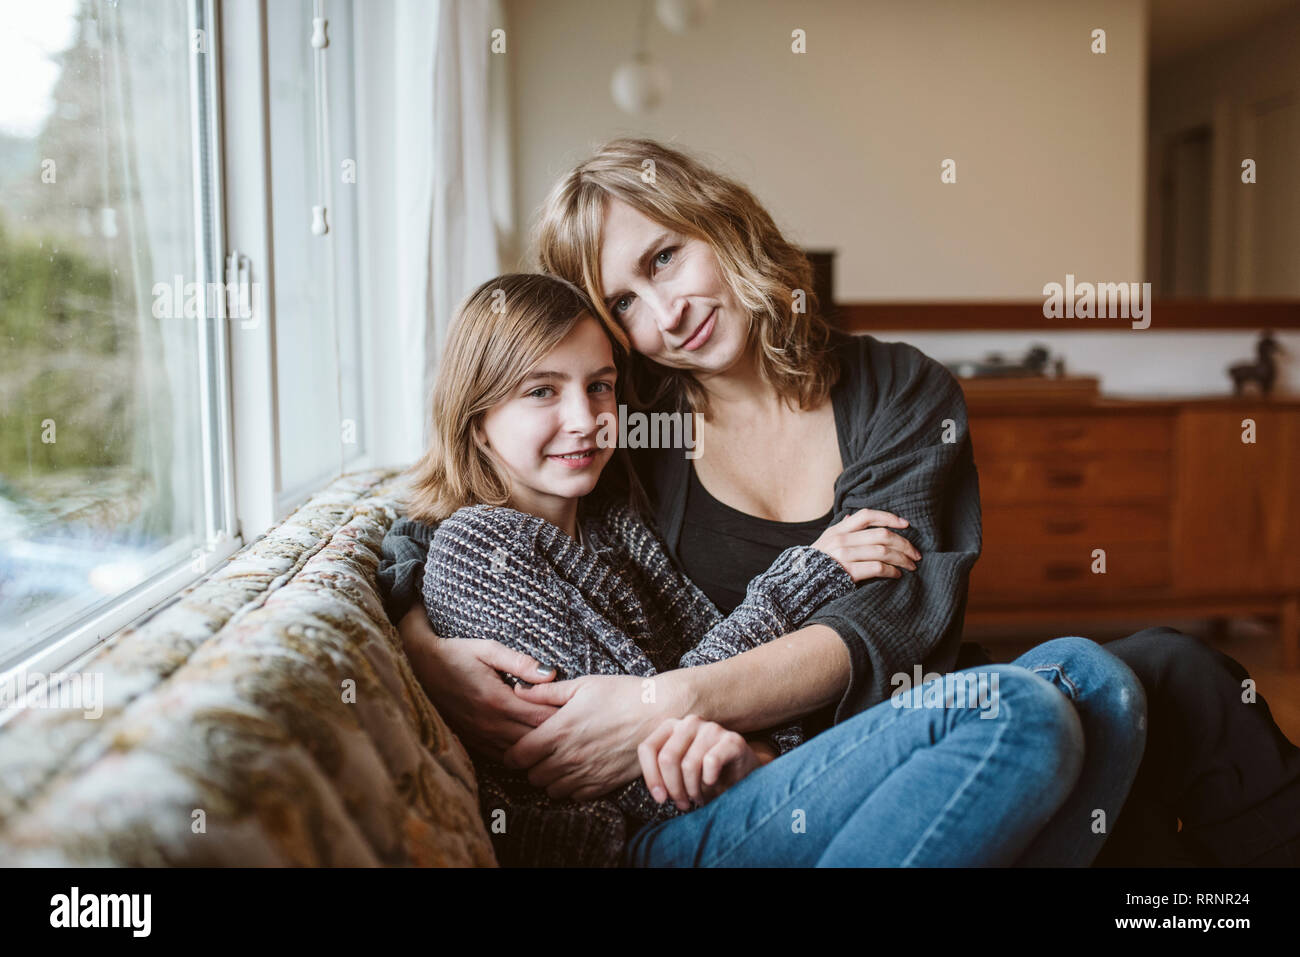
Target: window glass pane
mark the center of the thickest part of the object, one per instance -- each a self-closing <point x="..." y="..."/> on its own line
<point x="101" y="487"/>
<point x="317" y="336"/>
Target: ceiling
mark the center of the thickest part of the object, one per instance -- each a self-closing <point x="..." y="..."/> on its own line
<point x="1181" y="27"/>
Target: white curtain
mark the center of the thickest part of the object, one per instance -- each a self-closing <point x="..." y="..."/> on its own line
<point x="437" y="208"/>
<point x="145" y="99"/>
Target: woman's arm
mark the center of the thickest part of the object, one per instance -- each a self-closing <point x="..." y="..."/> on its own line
<point x="915" y="461"/>
<point x="799" y="581"/>
<point x="488" y="575"/>
<point x="401" y="566"/>
<point x="462" y="678"/>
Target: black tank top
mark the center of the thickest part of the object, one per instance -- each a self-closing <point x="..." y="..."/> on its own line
<point x="723" y="548"/>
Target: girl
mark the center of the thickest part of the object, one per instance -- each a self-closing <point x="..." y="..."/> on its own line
<point x="537" y="548"/>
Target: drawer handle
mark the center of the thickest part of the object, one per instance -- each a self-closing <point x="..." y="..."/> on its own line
<point x="1058" y="479"/>
<point x="1066" y="434"/>
<point x="1062" y="573"/>
<point x="1064" y="528"/>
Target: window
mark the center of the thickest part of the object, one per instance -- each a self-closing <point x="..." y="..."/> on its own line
<point x="314" y="240"/>
<point x="114" y="436"/>
<point x="129" y="372"/>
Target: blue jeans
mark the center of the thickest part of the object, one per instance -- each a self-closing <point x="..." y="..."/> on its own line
<point x="1024" y="764"/>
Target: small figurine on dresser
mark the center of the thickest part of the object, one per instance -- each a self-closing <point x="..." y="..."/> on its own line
<point x="1262" y="372"/>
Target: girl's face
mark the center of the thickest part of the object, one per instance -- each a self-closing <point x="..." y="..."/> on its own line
<point x="555" y="411"/>
<point x="667" y="292"/>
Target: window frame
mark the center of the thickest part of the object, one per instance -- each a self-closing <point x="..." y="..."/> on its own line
<point x="88" y="635"/>
<point x="261" y="499"/>
<point x="243" y="494"/>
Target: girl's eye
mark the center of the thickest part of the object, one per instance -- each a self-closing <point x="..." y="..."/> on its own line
<point x="540" y="388"/>
<point x="605" y="386"/>
<point x="618" y="304"/>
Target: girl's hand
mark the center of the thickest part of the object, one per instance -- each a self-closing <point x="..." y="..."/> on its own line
<point x="690" y="759"/>
<point x="862" y="543"/>
<point x="461" y="680"/>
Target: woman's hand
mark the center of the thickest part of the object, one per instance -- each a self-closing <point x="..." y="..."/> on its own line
<point x="694" y="760"/>
<point x="862" y="543"/>
<point x="589" y="747"/>
<point x="461" y="680"/>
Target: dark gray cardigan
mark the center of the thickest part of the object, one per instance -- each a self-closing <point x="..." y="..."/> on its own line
<point x="616" y="606"/>
<point x="901" y="421"/>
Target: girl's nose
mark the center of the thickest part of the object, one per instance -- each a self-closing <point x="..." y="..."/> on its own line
<point x="580" y="412"/>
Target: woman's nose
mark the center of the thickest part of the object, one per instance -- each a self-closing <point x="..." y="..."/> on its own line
<point x="668" y="308"/>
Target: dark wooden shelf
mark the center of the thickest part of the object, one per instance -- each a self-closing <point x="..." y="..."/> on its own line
<point x="968" y="315"/>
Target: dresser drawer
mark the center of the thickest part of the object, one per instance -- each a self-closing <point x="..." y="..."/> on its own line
<point x="1017" y="572"/>
<point x="1054" y="435"/>
<point x="1110" y="478"/>
<point x="1093" y="525"/>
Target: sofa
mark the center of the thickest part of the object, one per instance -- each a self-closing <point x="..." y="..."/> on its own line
<point x="266" y="716"/>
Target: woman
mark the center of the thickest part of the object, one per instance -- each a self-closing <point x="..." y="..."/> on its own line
<point x="532" y="551"/>
<point x="891" y="433"/>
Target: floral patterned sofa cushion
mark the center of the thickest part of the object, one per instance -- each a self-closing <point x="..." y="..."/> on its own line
<point x="267" y="716"/>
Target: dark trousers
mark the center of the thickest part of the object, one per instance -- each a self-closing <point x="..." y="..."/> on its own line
<point x="1218" y="763"/>
<point x="1214" y="759"/>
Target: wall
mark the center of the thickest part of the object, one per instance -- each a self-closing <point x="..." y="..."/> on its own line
<point x="844" y="144"/>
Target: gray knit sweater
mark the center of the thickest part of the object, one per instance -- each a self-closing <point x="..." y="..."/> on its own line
<point x="616" y="606"/>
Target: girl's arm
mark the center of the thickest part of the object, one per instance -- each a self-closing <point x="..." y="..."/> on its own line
<point x="800" y="580"/>
<point x="487" y="576"/>
<point x="916" y="461"/>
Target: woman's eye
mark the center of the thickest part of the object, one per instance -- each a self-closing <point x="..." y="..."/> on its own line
<point x="667" y="252"/>
<point x="541" y="388"/>
<point x="619" y="304"/>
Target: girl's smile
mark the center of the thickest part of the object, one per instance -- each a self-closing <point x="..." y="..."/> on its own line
<point x="575" y="461"/>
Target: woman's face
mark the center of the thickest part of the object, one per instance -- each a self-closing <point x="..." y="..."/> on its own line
<point x="667" y="292"/>
<point x="555" y="410"/>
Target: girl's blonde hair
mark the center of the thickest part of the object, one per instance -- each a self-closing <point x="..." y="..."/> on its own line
<point x="763" y="270"/>
<point x="505" y="327"/>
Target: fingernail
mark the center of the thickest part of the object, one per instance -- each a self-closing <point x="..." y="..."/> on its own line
<point x="659" y="794"/>
<point x="545" y="670"/>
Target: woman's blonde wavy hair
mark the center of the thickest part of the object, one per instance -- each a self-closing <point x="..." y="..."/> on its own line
<point x="502" y="330"/>
<point x="763" y="270"/>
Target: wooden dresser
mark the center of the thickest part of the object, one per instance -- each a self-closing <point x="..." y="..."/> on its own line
<point x="1186" y="519"/>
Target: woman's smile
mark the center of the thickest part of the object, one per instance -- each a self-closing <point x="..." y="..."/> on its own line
<point x="702" y="334"/>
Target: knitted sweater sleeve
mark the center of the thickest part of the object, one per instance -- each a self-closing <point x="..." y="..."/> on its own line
<point x="401" y="565"/>
<point x="800" y="580"/>
<point x="488" y="576"/>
